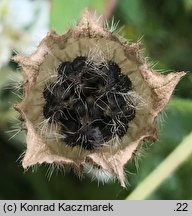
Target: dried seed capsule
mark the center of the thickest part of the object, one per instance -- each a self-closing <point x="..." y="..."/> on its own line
<point x="108" y="65"/>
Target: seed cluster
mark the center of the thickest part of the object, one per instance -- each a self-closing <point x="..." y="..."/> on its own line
<point x="88" y="102"/>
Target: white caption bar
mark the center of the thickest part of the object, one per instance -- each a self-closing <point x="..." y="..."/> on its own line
<point x="95" y="207"/>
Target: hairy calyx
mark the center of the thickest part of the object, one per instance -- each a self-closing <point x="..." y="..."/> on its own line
<point x="89" y="102"/>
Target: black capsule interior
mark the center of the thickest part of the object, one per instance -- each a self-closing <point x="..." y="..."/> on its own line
<point x="87" y="102"/>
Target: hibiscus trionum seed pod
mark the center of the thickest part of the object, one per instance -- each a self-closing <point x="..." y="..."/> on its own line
<point x="90" y="100"/>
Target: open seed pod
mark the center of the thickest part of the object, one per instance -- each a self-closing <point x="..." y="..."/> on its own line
<point x="90" y="99"/>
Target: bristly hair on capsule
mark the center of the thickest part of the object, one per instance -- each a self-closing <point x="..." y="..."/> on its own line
<point x="90" y="100"/>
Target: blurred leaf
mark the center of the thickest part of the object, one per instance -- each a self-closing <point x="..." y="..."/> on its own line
<point x="3" y="76"/>
<point x="184" y="105"/>
<point x="166" y="168"/>
<point x="64" y="13"/>
<point x="8" y="80"/>
<point x="132" y="11"/>
<point x="188" y="5"/>
<point x="175" y="125"/>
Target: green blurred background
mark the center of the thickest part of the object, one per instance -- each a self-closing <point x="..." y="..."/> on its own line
<point x="165" y="29"/>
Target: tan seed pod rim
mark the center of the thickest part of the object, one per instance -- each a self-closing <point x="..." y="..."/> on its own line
<point x="151" y="89"/>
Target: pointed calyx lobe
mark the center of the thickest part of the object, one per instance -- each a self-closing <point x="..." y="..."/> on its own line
<point x="90" y="98"/>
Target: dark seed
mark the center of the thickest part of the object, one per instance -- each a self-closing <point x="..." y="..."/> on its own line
<point x="125" y="84"/>
<point x="79" y="63"/>
<point x="70" y="138"/>
<point x="114" y="67"/>
<point x="70" y="125"/>
<point x="80" y="108"/>
<point x="64" y="69"/>
<point x="59" y="116"/>
<point x="46" y="93"/>
<point x="94" y="136"/>
<point x="130" y="114"/>
<point x="113" y="73"/>
<point x="47" y="112"/>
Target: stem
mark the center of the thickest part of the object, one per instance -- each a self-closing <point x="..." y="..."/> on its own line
<point x="163" y="171"/>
